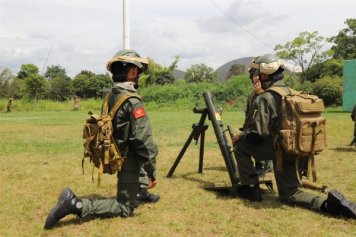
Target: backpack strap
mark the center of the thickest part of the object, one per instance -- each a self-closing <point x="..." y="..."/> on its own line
<point x="105" y="105"/>
<point x="118" y="103"/>
<point x="121" y="100"/>
<point x="108" y="137"/>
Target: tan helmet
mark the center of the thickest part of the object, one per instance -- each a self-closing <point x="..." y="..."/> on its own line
<point x="128" y="56"/>
<point x="253" y="65"/>
<point x="269" y="64"/>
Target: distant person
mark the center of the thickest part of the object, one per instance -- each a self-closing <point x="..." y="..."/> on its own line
<point x="9" y="105"/>
<point x="76" y="103"/>
<point x="353" y="117"/>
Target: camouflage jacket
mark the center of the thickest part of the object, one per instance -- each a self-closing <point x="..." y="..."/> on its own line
<point x="251" y="105"/>
<point x="266" y="120"/>
<point x="132" y="129"/>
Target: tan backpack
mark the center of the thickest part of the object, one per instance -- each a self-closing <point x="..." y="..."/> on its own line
<point x="99" y="144"/>
<point x="303" y="128"/>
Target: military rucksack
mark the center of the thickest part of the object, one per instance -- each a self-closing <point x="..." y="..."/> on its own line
<point x="99" y="144"/>
<point x="303" y="128"/>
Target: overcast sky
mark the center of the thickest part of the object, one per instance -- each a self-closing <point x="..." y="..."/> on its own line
<point x="84" y="34"/>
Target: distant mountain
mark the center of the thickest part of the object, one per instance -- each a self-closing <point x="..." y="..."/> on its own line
<point x="224" y="69"/>
<point x="178" y="74"/>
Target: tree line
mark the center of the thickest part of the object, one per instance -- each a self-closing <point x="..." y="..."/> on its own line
<point x="321" y="71"/>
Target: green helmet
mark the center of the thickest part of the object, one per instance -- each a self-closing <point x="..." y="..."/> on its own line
<point x="128" y="56"/>
<point x="269" y="63"/>
<point x="267" y="58"/>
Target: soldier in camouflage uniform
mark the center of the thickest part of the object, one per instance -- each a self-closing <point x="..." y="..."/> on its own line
<point x="261" y="167"/>
<point x="353" y="117"/>
<point x="258" y="141"/>
<point x="76" y="103"/>
<point x="9" y="105"/>
<point x="133" y="135"/>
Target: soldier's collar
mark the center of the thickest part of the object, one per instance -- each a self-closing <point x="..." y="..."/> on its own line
<point x="127" y="85"/>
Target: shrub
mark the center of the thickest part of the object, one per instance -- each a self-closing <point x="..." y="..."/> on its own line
<point x="232" y="93"/>
<point x="329" y="89"/>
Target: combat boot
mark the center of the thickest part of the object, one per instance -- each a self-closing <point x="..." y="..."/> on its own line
<point x="143" y="196"/>
<point x="250" y="192"/>
<point x="336" y="204"/>
<point x="68" y="203"/>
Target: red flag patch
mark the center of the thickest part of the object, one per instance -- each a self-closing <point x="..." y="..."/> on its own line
<point x="139" y="113"/>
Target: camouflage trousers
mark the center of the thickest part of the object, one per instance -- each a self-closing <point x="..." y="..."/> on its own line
<point x="125" y="201"/>
<point x="143" y="178"/>
<point x="287" y="180"/>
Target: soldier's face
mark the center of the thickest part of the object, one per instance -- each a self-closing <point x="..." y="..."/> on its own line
<point x="263" y="77"/>
<point x="255" y="79"/>
<point x="133" y="75"/>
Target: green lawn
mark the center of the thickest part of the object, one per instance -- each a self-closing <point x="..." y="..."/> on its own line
<point x="41" y="152"/>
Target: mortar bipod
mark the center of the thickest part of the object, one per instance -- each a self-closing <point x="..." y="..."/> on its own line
<point x="197" y="132"/>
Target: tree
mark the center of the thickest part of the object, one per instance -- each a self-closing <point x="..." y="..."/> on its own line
<point x="35" y="86"/>
<point x="345" y="41"/>
<point x="6" y="77"/>
<point x="54" y="71"/>
<point x="159" y="75"/>
<point x="305" y="50"/>
<point x="60" y="88"/>
<point x="331" y="67"/>
<point x="17" y="88"/>
<point x="88" y="85"/>
<point x="236" y="70"/>
<point x="200" y="73"/>
<point x="27" y="70"/>
<point x="104" y="82"/>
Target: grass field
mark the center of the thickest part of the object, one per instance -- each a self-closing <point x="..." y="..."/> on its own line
<point x="40" y="153"/>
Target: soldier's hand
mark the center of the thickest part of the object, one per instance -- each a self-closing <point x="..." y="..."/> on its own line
<point x="236" y="138"/>
<point x="151" y="183"/>
<point x="257" y="85"/>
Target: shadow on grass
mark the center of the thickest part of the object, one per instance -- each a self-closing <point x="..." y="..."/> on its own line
<point x="344" y="149"/>
<point x="73" y="221"/>
<point x="222" y="191"/>
<point x="219" y="168"/>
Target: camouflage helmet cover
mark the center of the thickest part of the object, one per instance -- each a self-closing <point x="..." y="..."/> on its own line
<point x="253" y="65"/>
<point x="128" y="56"/>
<point x="269" y="63"/>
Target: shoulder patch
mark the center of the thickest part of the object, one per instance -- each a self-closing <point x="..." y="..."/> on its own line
<point x="139" y="113"/>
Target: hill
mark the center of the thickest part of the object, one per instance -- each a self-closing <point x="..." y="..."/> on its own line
<point x="223" y="70"/>
<point x="178" y="74"/>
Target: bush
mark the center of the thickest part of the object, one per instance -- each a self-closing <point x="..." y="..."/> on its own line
<point x="306" y="87"/>
<point x="330" y="67"/>
<point x="329" y="89"/>
<point x="232" y="93"/>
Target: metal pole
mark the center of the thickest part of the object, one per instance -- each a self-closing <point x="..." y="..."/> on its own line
<point x="126" y="21"/>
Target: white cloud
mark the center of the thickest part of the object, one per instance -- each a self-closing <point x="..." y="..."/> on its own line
<point x="86" y="33"/>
